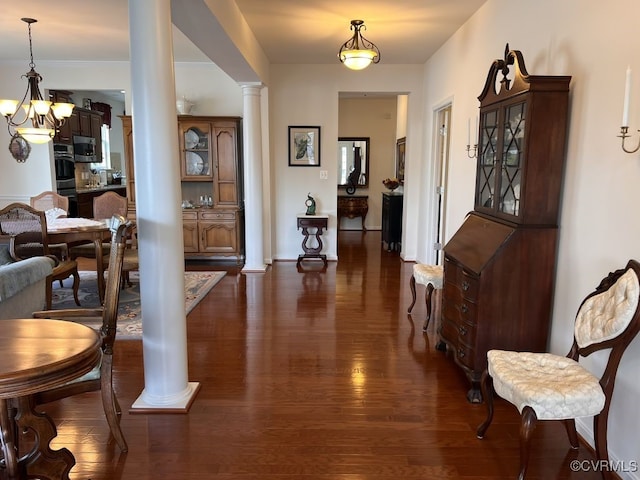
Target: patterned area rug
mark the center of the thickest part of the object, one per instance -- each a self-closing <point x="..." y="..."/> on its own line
<point x="197" y="285"/>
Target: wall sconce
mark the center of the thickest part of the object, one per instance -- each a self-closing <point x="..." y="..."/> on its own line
<point x="45" y="117"/>
<point x="475" y="147"/>
<point x="358" y="53"/>
<point x="625" y="113"/>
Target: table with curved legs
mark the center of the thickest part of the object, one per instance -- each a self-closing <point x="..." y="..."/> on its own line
<point x="38" y="355"/>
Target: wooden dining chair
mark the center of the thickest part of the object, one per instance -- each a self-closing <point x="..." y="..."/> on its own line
<point x="544" y="386"/>
<point x="104" y="206"/>
<point x="101" y="377"/>
<point x="49" y="200"/>
<point x="53" y="205"/>
<point x="27" y="229"/>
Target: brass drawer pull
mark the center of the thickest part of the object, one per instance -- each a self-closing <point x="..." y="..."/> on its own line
<point x="463" y="331"/>
<point x="464" y="308"/>
<point x="461" y="353"/>
<point x="465" y="285"/>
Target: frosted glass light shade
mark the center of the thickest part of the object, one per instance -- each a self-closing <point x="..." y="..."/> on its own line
<point x="36" y="135"/>
<point x="8" y="107"/>
<point x="357" y="59"/>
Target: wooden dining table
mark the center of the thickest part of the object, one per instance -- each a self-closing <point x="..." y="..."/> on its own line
<point x="37" y="355"/>
<point x="82" y="230"/>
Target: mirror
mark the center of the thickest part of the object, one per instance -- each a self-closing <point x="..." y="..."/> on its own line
<point x="19" y="148"/>
<point x="353" y="162"/>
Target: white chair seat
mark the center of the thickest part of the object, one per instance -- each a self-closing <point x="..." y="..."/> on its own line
<point x="428" y="274"/>
<point x="556" y="387"/>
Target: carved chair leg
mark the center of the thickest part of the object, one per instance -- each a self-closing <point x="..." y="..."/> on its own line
<point x="48" y="292"/>
<point x="110" y="404"/>
<point x="600" y="435"/>
<point x="486" y="384"/>
<point x="76" y="286"/>
<point x="570" y="426"/>
<point x="527" y="426"/>
<point x="427" y="301"/>
<point x="412" y="285"/>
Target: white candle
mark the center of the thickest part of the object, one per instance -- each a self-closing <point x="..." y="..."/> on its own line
<point x="468" y="131"/>
<point x="476" y="133"/>
<point x="627" y="96"/>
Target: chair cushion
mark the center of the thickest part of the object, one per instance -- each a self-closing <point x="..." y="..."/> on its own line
<point x="555" y="387"/>
<point x="606" y="315"/>
<point x="428" y="274"/>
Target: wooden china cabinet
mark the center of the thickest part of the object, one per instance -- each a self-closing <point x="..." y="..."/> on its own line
<point x="499" y="267"/>
<point x="211" y="180"/>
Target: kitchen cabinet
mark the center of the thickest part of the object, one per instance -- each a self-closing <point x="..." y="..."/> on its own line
<point x="499" y="267"/>
<point x="210" y="166"/>
<point x="63" y="135"/>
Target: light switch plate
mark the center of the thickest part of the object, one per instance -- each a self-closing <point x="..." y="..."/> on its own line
<point x="324" y="174"/>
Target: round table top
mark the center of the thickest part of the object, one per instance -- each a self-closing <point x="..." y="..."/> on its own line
<point x="39" y="354"/>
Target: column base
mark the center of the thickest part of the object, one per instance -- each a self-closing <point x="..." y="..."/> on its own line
<point x="181" y="406"/>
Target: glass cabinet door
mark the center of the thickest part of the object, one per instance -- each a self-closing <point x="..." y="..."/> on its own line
<point x="196" y="161"/>
<point x="487" y="160"/>
<point x="501" y="160"/>
<point x="513" y="159"/>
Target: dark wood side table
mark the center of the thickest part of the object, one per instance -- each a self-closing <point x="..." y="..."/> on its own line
<point x="392" y="220"/>
<point x="353" y="206"/>
<point x="38" y="355"/>
<point x="319" y="223"/>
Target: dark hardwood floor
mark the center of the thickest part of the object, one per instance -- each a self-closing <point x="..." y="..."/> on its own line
<point x="311" y="375"/>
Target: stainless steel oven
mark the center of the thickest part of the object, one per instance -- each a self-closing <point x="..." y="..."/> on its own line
<point x="63" y="156"/>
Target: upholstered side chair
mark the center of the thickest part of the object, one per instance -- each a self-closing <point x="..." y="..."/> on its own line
<point x="544" y="386"/>
<point x="101" y="377"/>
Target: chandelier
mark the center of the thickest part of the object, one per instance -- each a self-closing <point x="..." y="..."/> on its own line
<point x="45" y="117"/>
<point x="358" y="53"/>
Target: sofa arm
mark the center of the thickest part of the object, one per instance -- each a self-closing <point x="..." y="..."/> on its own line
<point x="16" y="276"/>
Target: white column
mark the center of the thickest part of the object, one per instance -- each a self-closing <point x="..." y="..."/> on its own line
<point x="253" y="198"/>
<point x="159" y="214"/>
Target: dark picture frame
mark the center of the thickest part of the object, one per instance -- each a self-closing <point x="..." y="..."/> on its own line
<point x="400" y="149"/>
<point x="304" y="146"/>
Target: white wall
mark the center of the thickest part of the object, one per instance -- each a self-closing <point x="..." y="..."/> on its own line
<point x="308" y="95"/>
<point x="593" y="42"/>
<point x="212" y="90"/>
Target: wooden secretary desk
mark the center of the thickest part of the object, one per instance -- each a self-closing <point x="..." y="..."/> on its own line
<point x="499" y="267"/>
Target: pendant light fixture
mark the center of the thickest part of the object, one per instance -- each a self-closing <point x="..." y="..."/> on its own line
<point x="358" y="53"/>
<point x="45" y="118"/>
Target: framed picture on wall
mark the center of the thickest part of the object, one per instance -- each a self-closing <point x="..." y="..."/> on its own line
<point x="304" y="146"/>
<point x="400" y="145"/>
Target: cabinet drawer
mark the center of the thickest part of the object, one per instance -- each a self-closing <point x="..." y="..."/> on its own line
<point x="465" y="354"/>
<point x="217" y="215"/>
<point x="189" y="215"/>
<point x="460" y="312"/>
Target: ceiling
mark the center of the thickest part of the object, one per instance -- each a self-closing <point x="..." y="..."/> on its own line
<point x="290" y="31"/>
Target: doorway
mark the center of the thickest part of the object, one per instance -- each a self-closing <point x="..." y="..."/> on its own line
<point x="441" y="134"/>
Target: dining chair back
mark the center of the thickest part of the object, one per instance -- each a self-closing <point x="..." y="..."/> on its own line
<point x="54" y="206"/>
<point x="49" y="200"/>
<point x="544" y="386"/>
<point x="109" y="204"/>
<point x="101" y="377"/>
<point x="27" y="229"/>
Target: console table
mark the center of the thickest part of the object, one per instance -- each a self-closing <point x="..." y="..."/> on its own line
<point x="319" y="223"/>
<point x="353" y="206"/>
